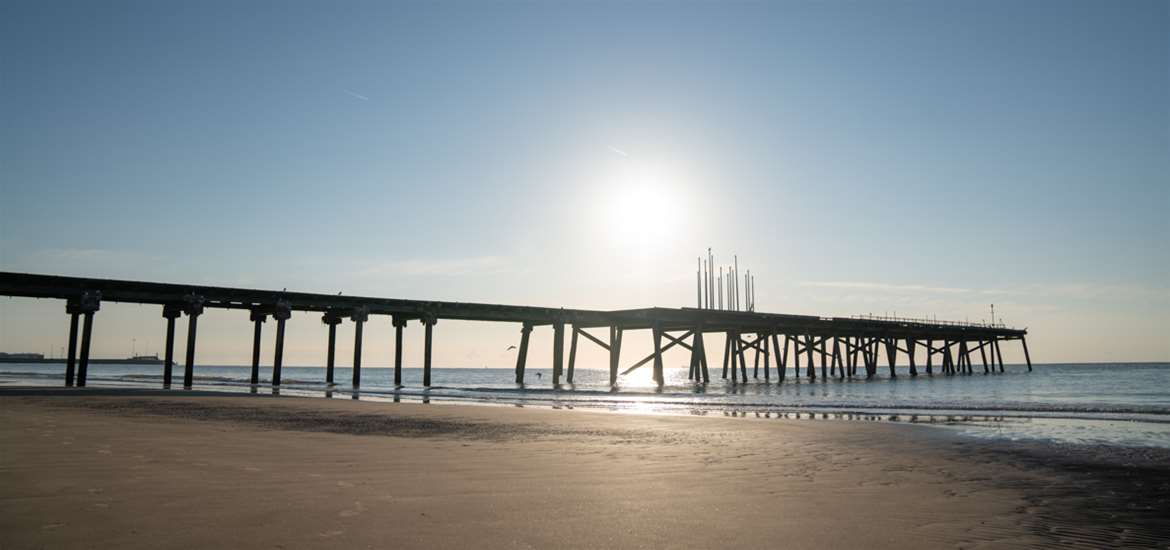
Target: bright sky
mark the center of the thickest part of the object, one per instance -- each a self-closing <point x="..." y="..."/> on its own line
<point x="924" y="158"/>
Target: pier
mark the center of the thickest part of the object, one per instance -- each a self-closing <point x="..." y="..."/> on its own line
<point x="792" y="345"/>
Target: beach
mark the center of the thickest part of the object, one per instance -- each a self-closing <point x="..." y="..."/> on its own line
<point x="147" y="469"/>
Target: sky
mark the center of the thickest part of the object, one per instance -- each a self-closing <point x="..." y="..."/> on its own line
<point x="927" y="159"/>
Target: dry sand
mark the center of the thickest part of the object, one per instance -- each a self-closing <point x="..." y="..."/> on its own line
<point x="143" y="470"/>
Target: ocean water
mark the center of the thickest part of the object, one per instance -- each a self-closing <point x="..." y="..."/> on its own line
<point x="1092" y="404"/>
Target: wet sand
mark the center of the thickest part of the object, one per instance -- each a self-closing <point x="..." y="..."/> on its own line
<point x="140" y="469"/>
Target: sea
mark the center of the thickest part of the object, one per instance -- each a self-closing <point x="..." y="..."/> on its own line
<point x="1113" y="404"/>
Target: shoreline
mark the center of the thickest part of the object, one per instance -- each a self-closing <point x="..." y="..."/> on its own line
<point x="899" y="479"/>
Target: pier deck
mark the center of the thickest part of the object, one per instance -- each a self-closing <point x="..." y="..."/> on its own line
<point x="840" y="343"/>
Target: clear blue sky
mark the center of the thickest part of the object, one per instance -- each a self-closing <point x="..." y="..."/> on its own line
<point x="928" y="158"/>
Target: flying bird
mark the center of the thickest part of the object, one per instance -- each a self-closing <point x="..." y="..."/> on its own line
<point x="357" y="95"/>
<point x="510" y="348"/>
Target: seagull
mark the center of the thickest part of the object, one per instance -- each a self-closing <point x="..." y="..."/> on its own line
<point x="510" y="348"/>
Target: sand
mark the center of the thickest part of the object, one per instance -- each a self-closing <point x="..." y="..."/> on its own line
<point x="80" y="469"/>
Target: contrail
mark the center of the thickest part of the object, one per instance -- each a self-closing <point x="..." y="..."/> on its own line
<point x="618" y="151"/>
<point x="357" y="95"/>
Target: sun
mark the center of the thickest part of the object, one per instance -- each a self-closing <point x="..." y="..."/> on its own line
<point x="641" y="206"/>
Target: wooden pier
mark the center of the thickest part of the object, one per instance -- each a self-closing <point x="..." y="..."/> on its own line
<point x="839" y="345"/>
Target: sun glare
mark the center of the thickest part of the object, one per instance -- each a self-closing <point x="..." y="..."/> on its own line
<point x="641" y="203"/>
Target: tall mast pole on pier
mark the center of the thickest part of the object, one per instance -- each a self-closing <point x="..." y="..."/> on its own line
<point x="699" y="284"/>
<point x="736" y="291"/>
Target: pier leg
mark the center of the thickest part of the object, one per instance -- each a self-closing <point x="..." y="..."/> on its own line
<point x="726" y="352"/>
<point x="810" y="349"/>
<point x="911" y="344"/>
<point x="86" y="333"/>
<point x="763" y="342"/>
<point x="522" y="353"/>
<point x="693" y="369"/>
<point x="742" y="362"/>
<point x="658" y="377"/>
<point x="189" y="365"/>
<point x="983" y="356"/>
<point x="930" y="357"/>
<point x="278" y="352"/>
<point x="962" y="353"/>
<point x="781" y="355"/>
<point x="824" y="359"/>
<point x="572" y="356"/>
<point x="256" y="333"/>
<point x="71" y="357"/>
<point x="558" y="352"/>
<point x="838" y="361"/>
<point x="892" y="355"/>
<point x="615" y="352"/>
<point x="399" y="323"/>
<point x="874" y="351"/>
<point x="330" y="354"/>
<point x="851" y="343"/>
<point x="795" y="357"/>
<point x="756" y="362"/>
<point x="734" y="345"/>
<point x="331" y="318"/>
<point x="948" y="362"/>
<point x="429" y="328"/>
<point x="170" y="313"/>
<point x="358" y="325"/>
<point x="703" y="355"/>
<point x="1027" y="357"/>
<point x="998" y="354"/>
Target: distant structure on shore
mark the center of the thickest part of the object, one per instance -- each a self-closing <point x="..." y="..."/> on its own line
<point x="152" y="359"/>
<point x="842" y="342"/>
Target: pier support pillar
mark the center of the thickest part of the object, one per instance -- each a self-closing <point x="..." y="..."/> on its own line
<point x="892" y="355"/>
<point x="983" y="356"/>
<point x="399" y="323"/>
<point x="170" y="313"/>
<point x="359" y="315"/>
<point x="726" y="352"/>
<point x="838" y="361"/>
<point x="332" y="319"/>
<point x="193" y="307"/>
<point x="742" y="361"/>
<point x="615" y="351"/>
<point x="696" y="348"/>
<point x="88" y="305"/>
<point x="572" y="356"/>
<point x="762" y="342"/>
<point x="658" y="376"/>
<point x="1027" y="357"/>
<point x="998" y="353"/>
<point x="701" y="344"/>
<point x="781" y="356"/>
<point x="558" y="351"/>
<point x="756" y="360"/>
<point x="522" y="353"/>
<point x="930" y="357"/>
<point x="948" y="361"/>
<point x="911" y="344"/>
<point x="258" y="316"/>
<point x="795" y="357"/>
<point x="73" y="309"/>
<point x="965" y="351"/>
<point x="281" y="312"/>
<point x="810" y="348"/>
<point x="429" y="322"/>
<point x="824" y="359"/>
